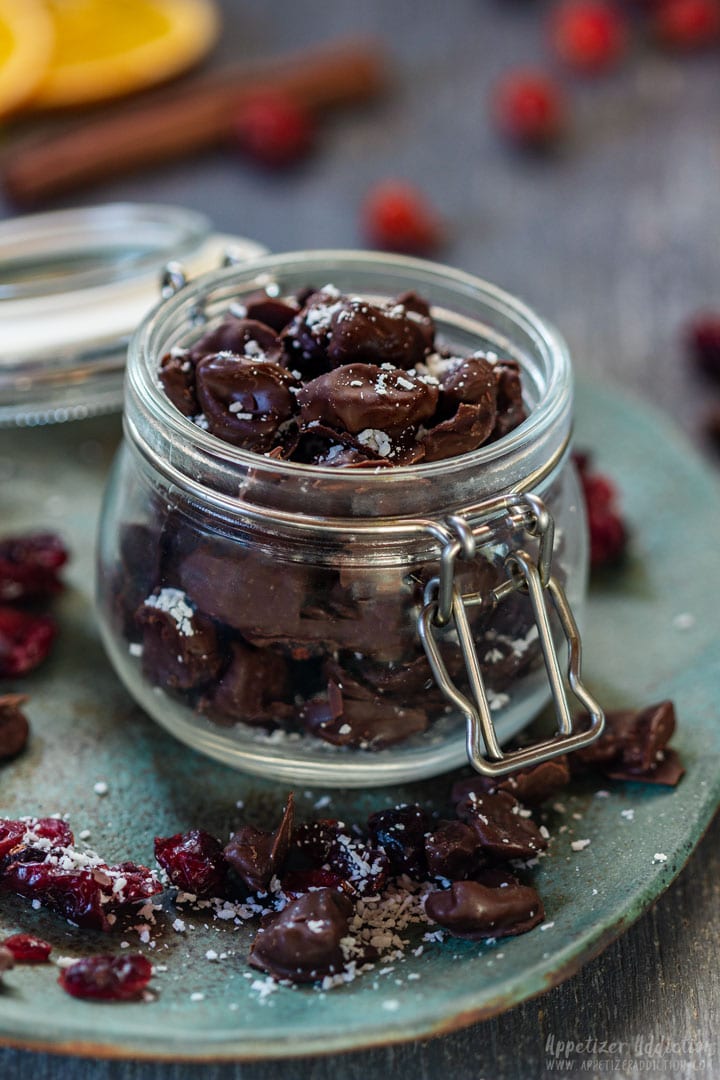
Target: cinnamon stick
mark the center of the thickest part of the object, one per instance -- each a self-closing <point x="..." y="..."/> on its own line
<point x="189" y="118"/>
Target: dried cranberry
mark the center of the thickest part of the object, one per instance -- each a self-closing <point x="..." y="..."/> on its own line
<point x="25" y="641"/>
<point x="703" y="339"/>
<point x="608" y="533"/>
<point x="194" y="862"/>
<point x="297" y="882"/>
<point x="29" y="566"/>
<point x="400" y="832"/>
<point x="365" y="868"/>
<point x="76" y="894"/>
<point x="398" y="217"/>
<point x="685" y="25"/>
<point x="274" y="130"/>
<point x="11" y="835"/>
<point x="107" y="978"/>
<point x="27" y="949"/>
<point x="529" y="109"/>
<point x="589" y="35"/>
<point x="51" y="828"/>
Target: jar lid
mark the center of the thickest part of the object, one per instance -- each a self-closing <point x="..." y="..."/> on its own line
<point x="74" y="285"/>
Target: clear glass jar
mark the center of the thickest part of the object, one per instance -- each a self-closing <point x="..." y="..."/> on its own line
<point x="299" y="580"/>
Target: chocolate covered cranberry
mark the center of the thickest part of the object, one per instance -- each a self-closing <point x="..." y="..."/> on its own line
<point x="254" y="688"/>
<point x="180" y="645"/>
<point x="474" y="911"/>
<point x="302" y="943"/>
<point x="242" y="337"/>
<point x="362" y="397"/>
<point x="257" y="855"/>
<point x="244" y="401"/>
<point x="500" y="826"/>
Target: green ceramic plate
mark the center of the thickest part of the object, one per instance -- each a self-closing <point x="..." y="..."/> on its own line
<point x="651" y="634"/>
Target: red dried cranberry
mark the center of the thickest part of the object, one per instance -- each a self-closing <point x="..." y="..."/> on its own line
<point x="608" y="533"/>
<point x="194" y="862"/>
<point x="107" y="978"/>
<point x="398" y="217"/>
<point x="314" y="839"/>
<point x="301" y="881"/>
<point x="703" y="339"/>
<point x="77" y="894"/>
<point x="274" y="130"/>
<point x="529" y="109"/>
<point x="25" y="641"/>
<point x="50" y="828"/>
<point x="140" y="883"/>
<point x="589" y="35"/>
<point x="29" y="565"/>
<point x="686" y="25"/>
<point x="27" y="949"/>
<point x="11" y="835"/>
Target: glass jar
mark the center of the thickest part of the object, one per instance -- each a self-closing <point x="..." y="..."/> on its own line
<point x="74" y="284"/>
<point x="340" y="626"/>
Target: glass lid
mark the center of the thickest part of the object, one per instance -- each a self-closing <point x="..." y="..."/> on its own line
<point x="74" y="284"/>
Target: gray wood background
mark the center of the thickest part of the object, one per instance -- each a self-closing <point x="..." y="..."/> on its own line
<point x="616" y="239"/>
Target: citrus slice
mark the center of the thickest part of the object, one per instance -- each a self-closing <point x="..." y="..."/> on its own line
<point x="104" y="50"/>
<point x="26" y="39"/>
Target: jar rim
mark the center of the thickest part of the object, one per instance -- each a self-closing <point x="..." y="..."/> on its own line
<point x="144" y="390"/>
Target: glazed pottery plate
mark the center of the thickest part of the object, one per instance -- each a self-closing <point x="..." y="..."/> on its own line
<point x="651" y="633"/>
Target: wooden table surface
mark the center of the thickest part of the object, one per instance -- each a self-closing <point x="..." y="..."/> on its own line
<point x="616" y="238"/>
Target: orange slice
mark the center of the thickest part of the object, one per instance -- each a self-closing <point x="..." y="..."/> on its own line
<point x="26" y="40"/>
<point x="106" y="48"/>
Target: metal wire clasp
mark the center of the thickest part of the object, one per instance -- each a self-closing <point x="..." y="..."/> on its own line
<point x="445" y="605"/>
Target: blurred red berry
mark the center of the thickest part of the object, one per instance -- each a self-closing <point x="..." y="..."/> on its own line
<point x="107" y="978"/>
<point x="25" y="641"/>
<point x="686" y="25"/>
<point x="398" y="217"/>
<point x="589" y="35"/>
<point x="703" y="342"/>
<point x="27" y="949"/>
<point x="529" y="108"/>
<point x="608" y="533"/>
<point x="274" y="130"/>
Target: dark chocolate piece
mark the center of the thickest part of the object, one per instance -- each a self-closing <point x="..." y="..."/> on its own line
<point x="302" y="942"/>
<point x="245" y="401"/>
<point x="257" y="856"/>
<point x="177" y="375"/>
<point x="531" y="786"/>
<point x="271" y="312"/>
<point x="368" y="723"/>
<point x="468" y="429"/>
<point x="510" y="407"/>
<point x="255" y="688"/>
<point x="499" y="824"/>
<point x="242" y="337"/>
<point x="668" y="771"/>
<point x="180" y="647"/>
<point x="632" y="738"/>
<point x="473" y="911"/>
<point x="361" y="398"/>
<point x="365" y="332"/>
<point x="452" y="850"/>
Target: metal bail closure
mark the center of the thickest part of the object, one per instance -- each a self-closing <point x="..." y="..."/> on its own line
<point x="446" y="606"/>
